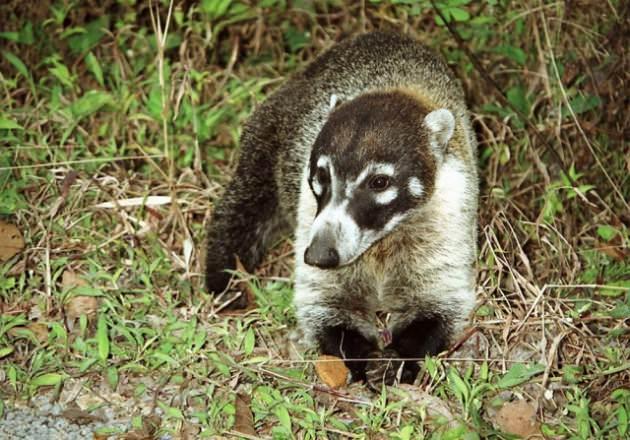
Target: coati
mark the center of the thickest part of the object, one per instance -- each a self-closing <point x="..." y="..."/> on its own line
<point x="368" y="155"/>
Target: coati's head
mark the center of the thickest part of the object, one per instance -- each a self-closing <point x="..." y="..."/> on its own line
<point x="372" y="164"/>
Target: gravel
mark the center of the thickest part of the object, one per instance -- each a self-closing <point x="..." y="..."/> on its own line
<point x="48" y="423"/>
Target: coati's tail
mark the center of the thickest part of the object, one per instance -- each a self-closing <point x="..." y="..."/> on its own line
<point x="244" y="223"/>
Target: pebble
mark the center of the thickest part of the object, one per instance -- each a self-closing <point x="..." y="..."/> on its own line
<point x="46" y="424"/>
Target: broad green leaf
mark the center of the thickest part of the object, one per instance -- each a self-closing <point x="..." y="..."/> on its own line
<point x="622" y="421"/>
<point x="405" y="432"/>
<point x="164" y="358"/>
<point x="606" y="232"/>
<point x="17" y="63"/>
<point x="514" y="53"/>
<point x="215" y="8"/>
<point x="5" y="351"/>
<point x="518" y="374"/>
<point x="580" y="104"/>
<point x="84" y="291"/>
<point x="250" y="340"/>
<point x="8" y="124"/>
<point x="483" y="371"/>
<point x="171" y="411"/>
<point x="283" y="416"/>
<point x="621" y="311"/>
<point x="518" y="98"/>
<point x="62" y="73"/>
<point x="459" y="14"/>
<point x="11" y="36"/>
<point x="82" y="39"/>
<point x="86" y="364"/>
<point x="46" y="380"/>
<point x="93" y="65"/>
<point x="296" y="39"/>
<point x="458" y="385"/>
<point x="112" y="377"/>
<point x="89" y="103"/>
<point x="24" y="36"/>
<point x="102" y="338"/>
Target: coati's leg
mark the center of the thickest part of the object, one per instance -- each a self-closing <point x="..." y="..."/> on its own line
<point x="347" y="343"/>
<point x="427" y="334"/>
<point x="244" y="223"/>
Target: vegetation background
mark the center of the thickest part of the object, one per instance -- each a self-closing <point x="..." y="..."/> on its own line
<point x="119" y="125"/>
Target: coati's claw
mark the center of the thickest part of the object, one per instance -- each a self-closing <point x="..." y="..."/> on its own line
<point x="382" y="369"/>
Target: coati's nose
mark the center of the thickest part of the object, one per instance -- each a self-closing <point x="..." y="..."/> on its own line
<point x="322" y="256"/>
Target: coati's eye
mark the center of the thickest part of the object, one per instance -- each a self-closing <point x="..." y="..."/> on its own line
<point x="321" y="175"/>
<point x="379" y="182"/>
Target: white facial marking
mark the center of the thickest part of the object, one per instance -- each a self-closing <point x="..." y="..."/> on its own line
<point x="317" y="187"/>
<point x="345" y="230"/>
<point x="387" y="169"/>
<point x="323" y="161"/>
<point x="415" y="187"/>
<point x="386" y="197"/>
<point x="333" y="101"/>
<point x="350" y="240"/>
<point x="393" y="222"/>
<point x="383" y="168"/>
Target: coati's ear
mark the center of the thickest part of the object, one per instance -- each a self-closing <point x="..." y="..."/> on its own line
<point x="441" y="125"/>
<point x="334" y="102"/>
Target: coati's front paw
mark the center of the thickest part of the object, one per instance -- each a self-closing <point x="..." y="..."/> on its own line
<point x="217" y="282"/>
<point x="382" y="368"/>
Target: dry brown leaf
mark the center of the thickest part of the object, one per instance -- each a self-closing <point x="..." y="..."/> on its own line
<point x="244" y="419"/>
<point x="518" y="418"/>
<point x="77" y="305"/>
<point x="80" y="305"/>
<point x="70" y="279"/>
<point x="11" y="241"/>
<point x="148" y="430"/>
<point x="39" y="330"/>
<point x="332" y="371"/>
<point x="80" y="417"/>
<point x="435" y="407"/>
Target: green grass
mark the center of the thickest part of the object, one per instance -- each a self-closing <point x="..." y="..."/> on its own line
<point x="95" y="109"/>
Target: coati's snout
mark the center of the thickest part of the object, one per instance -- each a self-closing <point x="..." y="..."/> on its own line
<point x="364" y="175"/>
<point x="322" y="252"/>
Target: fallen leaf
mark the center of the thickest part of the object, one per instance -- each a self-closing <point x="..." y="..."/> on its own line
<point x="37" y="329"/>
<point x="77" y="305"/>
<point x="11" y="241"/>
<point x="518" y="418"/>
<point x="435" y="407"/>
<point x="332" y="371"/>
<point x="244" y="419"/>
<point x="80" y="417"/>
<point x="148" y="430"/>
<point x="70" y="279"/>
<point x="80" y="305"/>
<point x="614" y="251"/>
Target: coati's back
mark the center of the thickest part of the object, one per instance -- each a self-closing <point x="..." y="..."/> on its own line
<point x="369" y="154"/>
